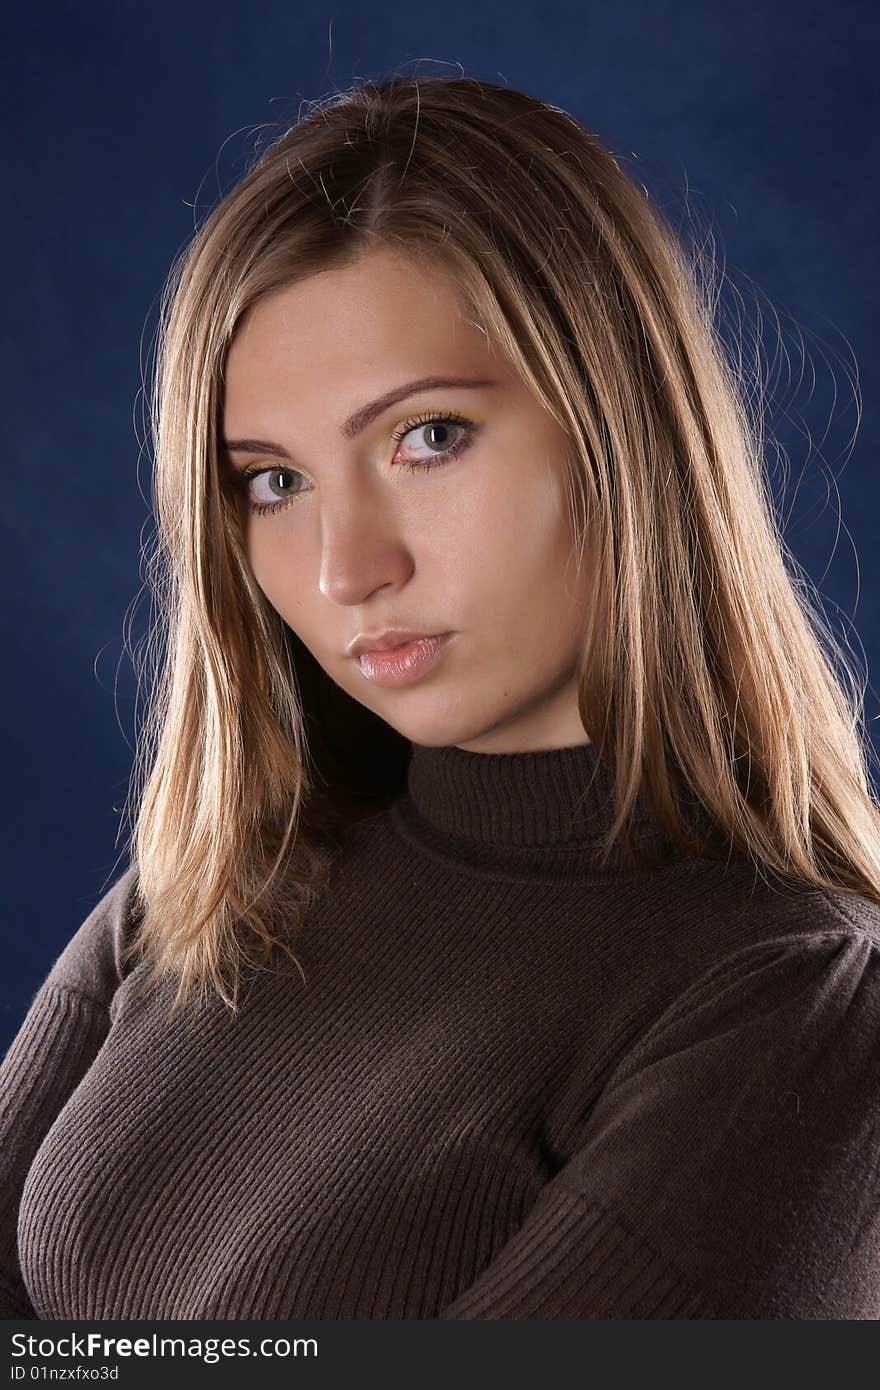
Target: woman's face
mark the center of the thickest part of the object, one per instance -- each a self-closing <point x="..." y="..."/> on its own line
<point x="353" y="542"/>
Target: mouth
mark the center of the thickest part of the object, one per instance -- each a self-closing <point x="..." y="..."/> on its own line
<point x="386" y="641"/>
<point x="406" y="662"/>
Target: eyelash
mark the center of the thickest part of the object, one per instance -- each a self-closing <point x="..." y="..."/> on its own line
<point x="438" y="461"/>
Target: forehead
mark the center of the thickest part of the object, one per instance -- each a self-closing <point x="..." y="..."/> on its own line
<point x="380" y="320"/>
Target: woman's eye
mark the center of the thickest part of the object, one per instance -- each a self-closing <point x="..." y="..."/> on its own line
<point x="432" y="433"/>
<point x="268" y="499"/>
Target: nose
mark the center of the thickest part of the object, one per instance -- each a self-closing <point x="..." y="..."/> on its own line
<point x="362" y="550"/>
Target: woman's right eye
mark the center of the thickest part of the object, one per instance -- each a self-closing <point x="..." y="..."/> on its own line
<point x="270" y="501"/>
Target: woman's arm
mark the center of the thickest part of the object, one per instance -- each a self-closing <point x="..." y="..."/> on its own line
<point x="59" y="1039"/>
<point x="731" y="1166"/>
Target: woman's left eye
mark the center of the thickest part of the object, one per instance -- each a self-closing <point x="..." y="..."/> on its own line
<point x="434" y="429"/>
<point x="435" y="432"/>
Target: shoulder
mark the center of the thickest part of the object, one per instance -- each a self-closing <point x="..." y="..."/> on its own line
<point x="854" y="913"/>
<point x="803" y="934"/>
<point x="799" y="982"/>
<point x="739" y="1132"/>
<point x="91" y="964"/>
<point x="724" y="920"/>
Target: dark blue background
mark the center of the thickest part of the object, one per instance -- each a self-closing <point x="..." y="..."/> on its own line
<point x="126" y="122"/>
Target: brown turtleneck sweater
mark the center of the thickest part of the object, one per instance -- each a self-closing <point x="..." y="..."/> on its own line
<point x="513" y="1085"/>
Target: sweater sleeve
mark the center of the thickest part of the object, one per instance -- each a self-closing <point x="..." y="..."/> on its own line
<point x="731" y="1165"/>
<point x="62" y="1033"/>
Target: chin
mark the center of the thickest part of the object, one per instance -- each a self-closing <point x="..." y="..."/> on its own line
<point x="443" y="723"/>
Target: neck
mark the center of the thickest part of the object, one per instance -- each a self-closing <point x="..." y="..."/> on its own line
<point x="548" y="808"/>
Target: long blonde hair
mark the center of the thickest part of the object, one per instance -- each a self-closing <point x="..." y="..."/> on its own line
<point x="707" y="675"/>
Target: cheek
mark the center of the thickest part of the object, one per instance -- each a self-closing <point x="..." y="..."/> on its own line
<point x="264" y="565"/>
<point x="507" y="558"/>
<point x="276" y="571"/>
<point x="512" y="507"/>
<point x="525" y="531"/>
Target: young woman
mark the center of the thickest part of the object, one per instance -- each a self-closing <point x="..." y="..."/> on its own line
<point x="500" y="933"/>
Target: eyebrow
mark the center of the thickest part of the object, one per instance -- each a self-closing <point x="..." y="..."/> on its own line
<point x="358" y="422"/>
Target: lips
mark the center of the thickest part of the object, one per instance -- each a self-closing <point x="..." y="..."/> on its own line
<point x="386" y="641"/>
<point x="406" y="663"/>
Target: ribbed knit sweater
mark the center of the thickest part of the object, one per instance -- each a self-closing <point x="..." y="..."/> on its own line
<point x="514" y="1084"/>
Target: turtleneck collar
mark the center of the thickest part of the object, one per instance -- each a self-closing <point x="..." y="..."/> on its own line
<point x="545" y="808"/>
<point x="537" y="798"/>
